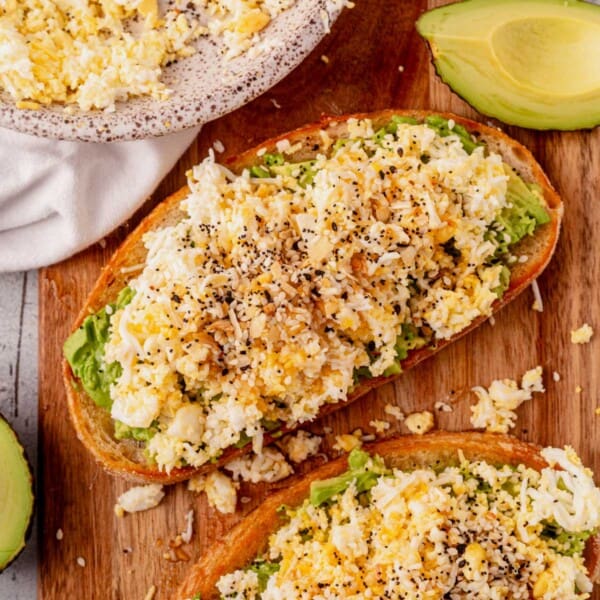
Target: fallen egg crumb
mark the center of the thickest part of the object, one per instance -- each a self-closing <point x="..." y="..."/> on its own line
<point x="420" y="422"/>
<point x="379" y="426"/>
<point x="582" y="335"/>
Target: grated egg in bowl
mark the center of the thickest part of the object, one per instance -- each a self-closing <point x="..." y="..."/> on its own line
<point x="105" y="70"/>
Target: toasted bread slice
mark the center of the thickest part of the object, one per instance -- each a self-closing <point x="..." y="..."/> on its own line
<point x="94" y="425"/>
<point x="249" y="538"/>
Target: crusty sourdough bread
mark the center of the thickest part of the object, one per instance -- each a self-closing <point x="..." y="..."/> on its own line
<point x="94" y="425"/>
<point x="250" y="536"/>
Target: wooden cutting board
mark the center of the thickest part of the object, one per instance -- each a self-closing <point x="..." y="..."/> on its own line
<point x="372" y="59"/>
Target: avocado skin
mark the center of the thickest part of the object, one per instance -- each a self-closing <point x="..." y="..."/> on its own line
<point x="29" y="529"/>
<point x="517" y="104"/>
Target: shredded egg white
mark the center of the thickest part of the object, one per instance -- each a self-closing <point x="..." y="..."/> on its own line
<point x="263" y="300"/>
<point x="472" y="531"/>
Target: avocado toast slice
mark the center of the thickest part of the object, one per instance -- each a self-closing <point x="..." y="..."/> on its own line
<point x="127" y="438"/>
<point x="445" y="514"/>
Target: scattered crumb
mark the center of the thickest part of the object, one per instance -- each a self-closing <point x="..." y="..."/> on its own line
<point x="327" y="430"/>
<point x="102" y="243"/>
<point x="300" y="445"/>
<point x="176" y="554"/>
<point x="537" y="297"/>
<point x="532" y="380"/>
<point x="394" y="411"/>
<point x="131" y="269"/>
<point x="245" y="499"/>
<point x="492" y="320"/>
<point x="275" y="103"/>
<point x="325" y="20"/>
<point x="358" y="432"/>
<point x="578" y="389"/>
<point x="218" y="146"/>
<point x="283" y="146"/>
<point x="556" y="376"/>
<point x="141" y="497"/>
<point x="582" y="335"/>
<point x="221" y="491"/>
<point x="401" y="68"/>
<point x="443" y="406"/>
<point x="270" y="465"/>
<point x="127" y="550"/>
<point x="597" y="411"/>
<point x="325" y="59"/>
<point x="379" y="426"/>
<point x="81" y="561"/>
<point x="59" y="534"/>
<point x="177" y="542"/>
<point x="186" y="535"/>
<point x="346" y="442"/>
<point x="494" y="410"/>
<point x="420" y="422"/>
<point x="150" y="593"/>
<point x="369" y="437"/>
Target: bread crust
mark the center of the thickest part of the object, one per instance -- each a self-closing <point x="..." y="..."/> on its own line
<point x="94" y="426"/>
<point x="249" y="537"/>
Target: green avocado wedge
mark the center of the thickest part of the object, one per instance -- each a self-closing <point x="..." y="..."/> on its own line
<point x="16" y="496"/>
<point x="532" y="63"/>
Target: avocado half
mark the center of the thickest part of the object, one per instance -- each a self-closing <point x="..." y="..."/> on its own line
<point x="532" y="63"/>
<point x="16" y="495"/>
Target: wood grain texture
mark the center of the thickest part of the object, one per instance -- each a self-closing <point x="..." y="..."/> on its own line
<point x="368" y="44"/>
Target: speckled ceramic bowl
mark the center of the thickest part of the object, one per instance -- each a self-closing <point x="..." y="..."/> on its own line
<point x="205" y="86"/>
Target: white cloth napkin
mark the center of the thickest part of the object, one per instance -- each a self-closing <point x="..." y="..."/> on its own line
<point x="58" y="197"/>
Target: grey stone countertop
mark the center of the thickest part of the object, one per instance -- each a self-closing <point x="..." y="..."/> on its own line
<point x="19" y="403"/>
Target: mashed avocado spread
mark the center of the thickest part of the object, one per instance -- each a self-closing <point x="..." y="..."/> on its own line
<point x="84" y="350"/>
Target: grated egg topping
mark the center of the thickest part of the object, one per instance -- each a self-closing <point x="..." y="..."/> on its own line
<point x="468" y="531"/>
<point x="269" y="295"/>
<point x="93" y="53"/>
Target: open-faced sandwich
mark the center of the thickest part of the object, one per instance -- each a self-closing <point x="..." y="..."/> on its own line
<point x="305" y="273"/>
<point x="446" y="515"/>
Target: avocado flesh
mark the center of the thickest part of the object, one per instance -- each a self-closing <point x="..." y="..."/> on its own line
<point x="526" y="62"/>
<point x="84" y="351"/>
<point x="16" y="495"/>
